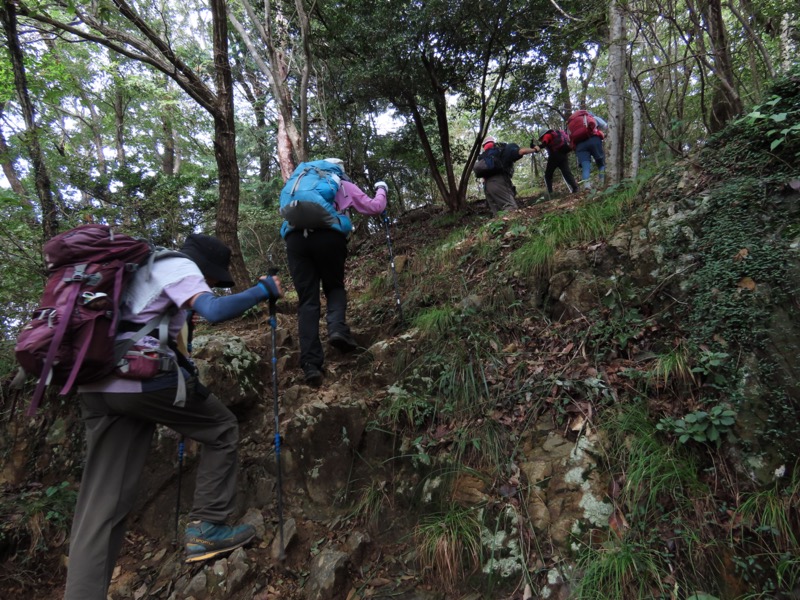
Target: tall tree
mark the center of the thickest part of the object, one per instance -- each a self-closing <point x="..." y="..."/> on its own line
<point x="277" y="35"/>
<point x="44" y="191"/>
<point x="421" y="55"/>
<point x="616" y="93"/>
<point x="146" y="35"/>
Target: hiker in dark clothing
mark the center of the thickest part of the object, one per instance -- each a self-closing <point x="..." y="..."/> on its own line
<point x="318" y="256"/>
<point x="557" y="145"/>
<point x="500" y="191"/>
<point x="121" y="414"/>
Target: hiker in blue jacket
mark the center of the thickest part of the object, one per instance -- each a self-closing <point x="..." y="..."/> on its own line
<point x="318" y="256"/>
<point x="121" y="414"/>
<point x="500" y="191"/>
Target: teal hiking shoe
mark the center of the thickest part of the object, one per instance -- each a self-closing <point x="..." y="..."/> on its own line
<point x="204" y="540"/>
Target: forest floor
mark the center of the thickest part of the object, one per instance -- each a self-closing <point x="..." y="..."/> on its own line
<point x="389" y="569"/>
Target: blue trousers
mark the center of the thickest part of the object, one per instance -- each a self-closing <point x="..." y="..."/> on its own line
<point x="587" y="150"/>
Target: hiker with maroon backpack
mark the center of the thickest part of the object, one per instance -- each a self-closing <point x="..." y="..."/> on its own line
<point x="121" y="412"/>
<point x="495" y="165"/>
<point x="556" y="142"/>
<point x="586" y="133"/>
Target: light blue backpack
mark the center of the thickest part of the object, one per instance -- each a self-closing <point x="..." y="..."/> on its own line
<point x="307" y="200"/>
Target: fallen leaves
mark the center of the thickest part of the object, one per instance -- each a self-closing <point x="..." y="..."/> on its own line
<point x="746" y="283"/>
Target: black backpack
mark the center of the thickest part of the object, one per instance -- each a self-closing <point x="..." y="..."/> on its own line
<point x="490" y="163"/>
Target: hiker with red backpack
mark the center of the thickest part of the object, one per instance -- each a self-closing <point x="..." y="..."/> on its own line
<point x="586" y="132"/>
<point x="316" y="229"/>
<point x="495" y="165"/>
<point x="556" y="142"/>
<point x="121" y="412"/>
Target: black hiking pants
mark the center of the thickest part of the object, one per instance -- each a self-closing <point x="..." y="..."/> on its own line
<point x="560" y="161"/>
<point x="318" y="257"/>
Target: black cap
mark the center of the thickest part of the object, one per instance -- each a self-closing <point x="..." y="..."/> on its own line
<point x="212" y="256"/>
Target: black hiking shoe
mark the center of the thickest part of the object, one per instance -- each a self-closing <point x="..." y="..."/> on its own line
<point x="344" y="342"/>
<point x="313" y="375"/>
<point x="204" y="540"/>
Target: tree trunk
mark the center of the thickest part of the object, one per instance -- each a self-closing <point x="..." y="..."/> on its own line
<point x="455" y="199"/>
<point x="455" y="194"/>
<point x="284" y="149"/>
<point x="754" y="39"/>
<point x="565" y="100"/>
<point x="636" y="135"/>
<point x="42" y="178"/>
<point x="119" y="124"/>
<point x="255" y="94"/>
<point x="225" y="146"/>
<point x="788" y="44"/>
<point x="725" y="103"/>
<point x="168" y="156"/>
<point x="276" y="71"/>
<point x="586" y="80"/>
<point x="8" y="166"/>
<point x="616" y="99"/>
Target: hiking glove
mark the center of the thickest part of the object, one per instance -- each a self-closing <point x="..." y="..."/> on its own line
<point x="381" y="184"/>
<point x="269" y="286"/>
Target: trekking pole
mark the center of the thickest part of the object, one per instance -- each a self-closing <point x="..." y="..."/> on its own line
<point x="182" y="439"/>
<point x="385" y="216"/>
<point x="181" y="445"/>
<point x="273" y="323"/>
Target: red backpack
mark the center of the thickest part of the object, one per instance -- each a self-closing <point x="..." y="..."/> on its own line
<point x="559" y="140"/>
<point x="70" y="339"/>
<point x="581" y="126"/>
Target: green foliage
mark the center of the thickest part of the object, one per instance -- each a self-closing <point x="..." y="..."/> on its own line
<point x="674" y="365"/>
<point x="36" y="521"/>
<point x="411" y="405"/>
<point x="623" y="568"/>
<point x="482" y="442"/>
<point x="766" y="539"/>
<point x="373" y="503"/>
<point x="701" y="425"/>
<point x="657" y="474"/>
<point x="619" y="322"/>
<point x="449" y="545"/>
<point x="776" y="121"/>
<point x="435" y="320"/>
<point x="555" y="230"/>
<point x="534" y="257"/>
<point x="745" y="257"/>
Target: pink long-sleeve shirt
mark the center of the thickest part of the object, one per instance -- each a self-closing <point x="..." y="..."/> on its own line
<point x="351" y="196"/>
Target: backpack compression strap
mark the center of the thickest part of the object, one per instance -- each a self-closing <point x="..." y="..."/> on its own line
<point x="58" y="335"/>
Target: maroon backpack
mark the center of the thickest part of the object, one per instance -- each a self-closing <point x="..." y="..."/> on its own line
<point x="559" y="140"/>
<point x="70" y="339"/>
<point x="581" y="126"/>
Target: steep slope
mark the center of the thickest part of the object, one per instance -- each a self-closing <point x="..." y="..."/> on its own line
<point x="592" y="397"/>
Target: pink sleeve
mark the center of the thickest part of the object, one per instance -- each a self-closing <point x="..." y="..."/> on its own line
<point x="350" y="195"/>
<point x="187" y="288"/>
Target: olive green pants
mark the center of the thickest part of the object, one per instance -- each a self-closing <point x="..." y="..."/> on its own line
<point x="500" y="193"/>
<point x="119" y="431"/>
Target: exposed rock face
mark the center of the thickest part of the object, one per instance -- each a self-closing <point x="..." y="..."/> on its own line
<point x="328" y="575"/>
